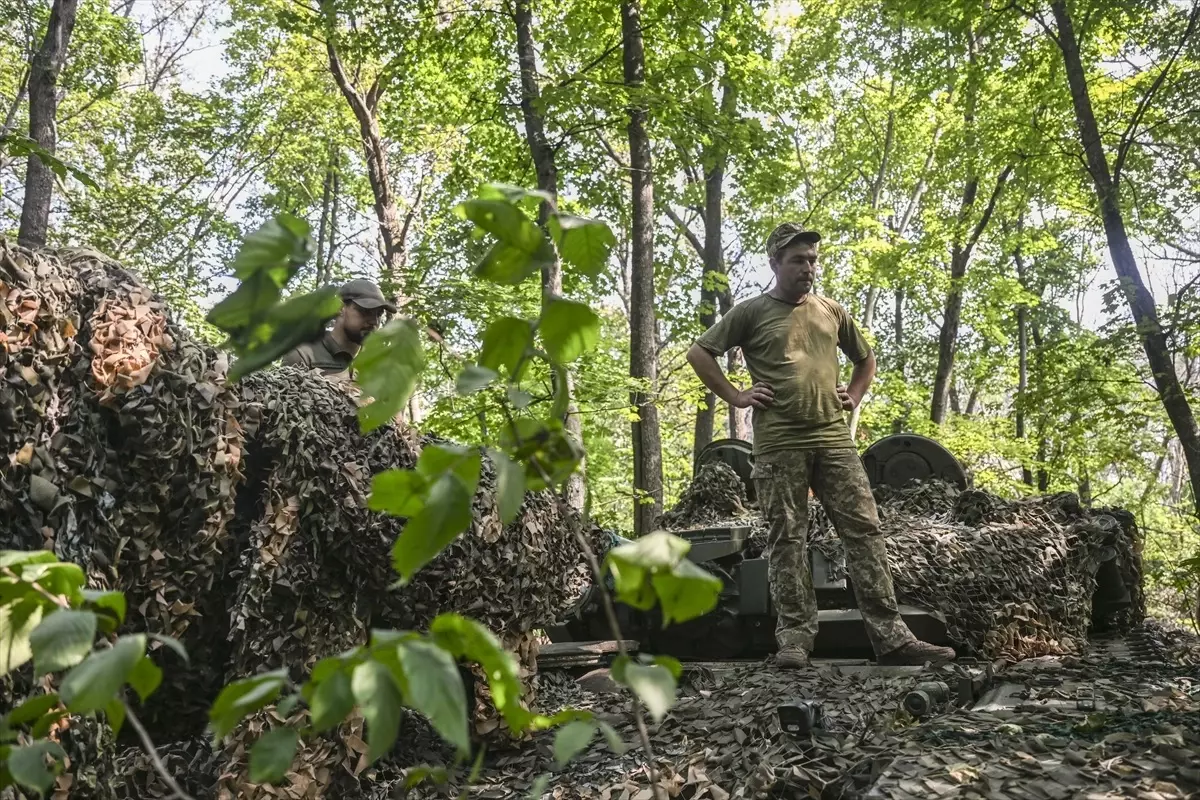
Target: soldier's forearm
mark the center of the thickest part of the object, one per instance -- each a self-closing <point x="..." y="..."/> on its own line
<point x="710" y="373"/>
<point x="860" y="379"/>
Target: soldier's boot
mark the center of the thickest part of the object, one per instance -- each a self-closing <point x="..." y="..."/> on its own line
<point x="916" y="653"/>
<point x="792" y="658"/>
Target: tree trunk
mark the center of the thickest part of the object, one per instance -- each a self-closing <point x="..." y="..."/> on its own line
<point x="547" y="180"/>
<point x="323" y="225"/>
<point x="392" y="231"/>
<point x="43" y="108"/>
<point x="739" y="418"/>
<point x="1022" y="363"/>
<point x="643" y="361"/>
<point x="901" y="361"/>
<point x="327" y="270"/>
<point x="1141" y="303"/>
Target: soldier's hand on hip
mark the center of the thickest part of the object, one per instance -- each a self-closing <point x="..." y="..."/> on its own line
<point x="760" y="395"/>
<point x="849" y="401"/>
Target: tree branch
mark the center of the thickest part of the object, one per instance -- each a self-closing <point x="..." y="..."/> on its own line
<point x="152" y="751"/>
<point x="694" y="240"/>
<point x="1127" y="138"/>
<point x="981" y="226"/>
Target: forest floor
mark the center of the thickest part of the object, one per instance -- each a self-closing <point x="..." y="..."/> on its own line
<point x="1031" y="736"/>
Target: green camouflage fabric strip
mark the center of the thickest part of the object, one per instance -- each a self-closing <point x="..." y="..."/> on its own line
<point x="837" y="478"/>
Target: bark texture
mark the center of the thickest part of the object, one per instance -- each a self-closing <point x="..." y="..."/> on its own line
<point x="643" y="355"/>
<point x="393" y="228"/>
<point x="43" y="108"/>
<point x="1141" y="302"/>
<point x="547" y="180"/>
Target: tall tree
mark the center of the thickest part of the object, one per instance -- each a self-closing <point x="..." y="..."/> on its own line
<point x="966" y="237"/>
<point x="43" y="109"/>
<point x="1106" y="182"/>
<point x="643" y="340"/>
<point x="393" y="228"/>
<point x="547" y="180"/>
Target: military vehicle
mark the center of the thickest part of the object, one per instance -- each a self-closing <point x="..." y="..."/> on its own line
<point x="743" y="623"/>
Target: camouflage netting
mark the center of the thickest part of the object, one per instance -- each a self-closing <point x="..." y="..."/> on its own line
<point x="233" y="517"/>
<point x="1014" y="579"/>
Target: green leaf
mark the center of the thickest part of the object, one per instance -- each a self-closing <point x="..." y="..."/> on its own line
<point x="670" y="664"/>
<point x="297" y="320"/>
<point x="92" y="684"/>
<point x="547" y="451"/>
<point x="436" y="690"/>
<point x="20" y="558"/>
<point x="474" y="378"/>
<point x="18" y="620"/>
<point x="654" y="686"/>
<point x="537" y="789"/>
<point x="377" y="695"/>
<point x="583" y="243"/>
<point x="504" y="342"/>
<point x="102" y="602"/>
<point x="331" y="702"/>
<point x="31" y="709"/>
<point x="389" y="364"/>
<point x="115" y="711"/>
<point x="510" y="485"/>
<point x="277" y="244"/>
<point x="28" y="765"/>
<point x="145" y="678"/>
<point x="519" y="399"/>
<point x="438" y="775"/>
<point x="59" y="578"/>
<point x="466" y="638"/>
<point x="685" y="592"/>
<point x="272" y="755"/>
<point x="612" y="738"/>
<point x="571" y="740"/>
<point x="242" y="698"/>
<point x="633" y="564"/>
<point x="446" y="514"/>
<point x="174" y="644"/>
<point x="287" y="705"/>
<point x="513" y="194"/>
<point x="62" y="640"/>
<point x="41" y="728"/>
<point x="568" y="329"/>
<point x="399" y="492"/>
<point x="521" y="248"/>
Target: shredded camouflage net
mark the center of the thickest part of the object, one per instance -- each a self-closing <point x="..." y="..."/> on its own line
<point x="716" y="494"/>
<point x="233" y="517"/>
<point x="1014" y="579"/>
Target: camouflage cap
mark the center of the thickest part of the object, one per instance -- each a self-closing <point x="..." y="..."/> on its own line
<point x="787" y="233"/>
<point x="365" y="294"/>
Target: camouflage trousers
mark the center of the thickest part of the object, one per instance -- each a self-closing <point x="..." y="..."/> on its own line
<point x="836" y="476"/>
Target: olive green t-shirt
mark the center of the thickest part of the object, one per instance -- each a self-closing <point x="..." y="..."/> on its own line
<point x="793" y="349"/>
<point x="326" y="355"/>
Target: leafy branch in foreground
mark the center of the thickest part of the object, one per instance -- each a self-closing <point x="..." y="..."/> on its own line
<point x="47" y="616"/>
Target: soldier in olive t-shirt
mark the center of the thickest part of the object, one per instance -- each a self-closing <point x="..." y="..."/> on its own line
<point x="792" y="347"/>
<point x="790" y="339"/>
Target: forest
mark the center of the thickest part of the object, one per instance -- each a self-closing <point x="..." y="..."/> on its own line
<point x="1008" y="193"/>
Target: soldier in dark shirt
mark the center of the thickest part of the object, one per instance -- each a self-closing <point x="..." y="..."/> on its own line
<point x="363" y="305"/>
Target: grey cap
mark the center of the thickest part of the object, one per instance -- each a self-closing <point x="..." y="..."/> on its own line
<point x="787" y="233"/>
<point x="365" y="294"/>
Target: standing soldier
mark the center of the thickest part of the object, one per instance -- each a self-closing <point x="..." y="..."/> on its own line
<point x="363" y="305"/>
<point x="790" y="338"/>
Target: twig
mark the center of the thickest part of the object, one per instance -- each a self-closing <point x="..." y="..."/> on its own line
<point x="610" y="614"/>
<point x="59" y="601"/>
<point x="152" y="751"/>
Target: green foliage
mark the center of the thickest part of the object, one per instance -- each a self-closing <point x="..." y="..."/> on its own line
<point x="654" y="570"/>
